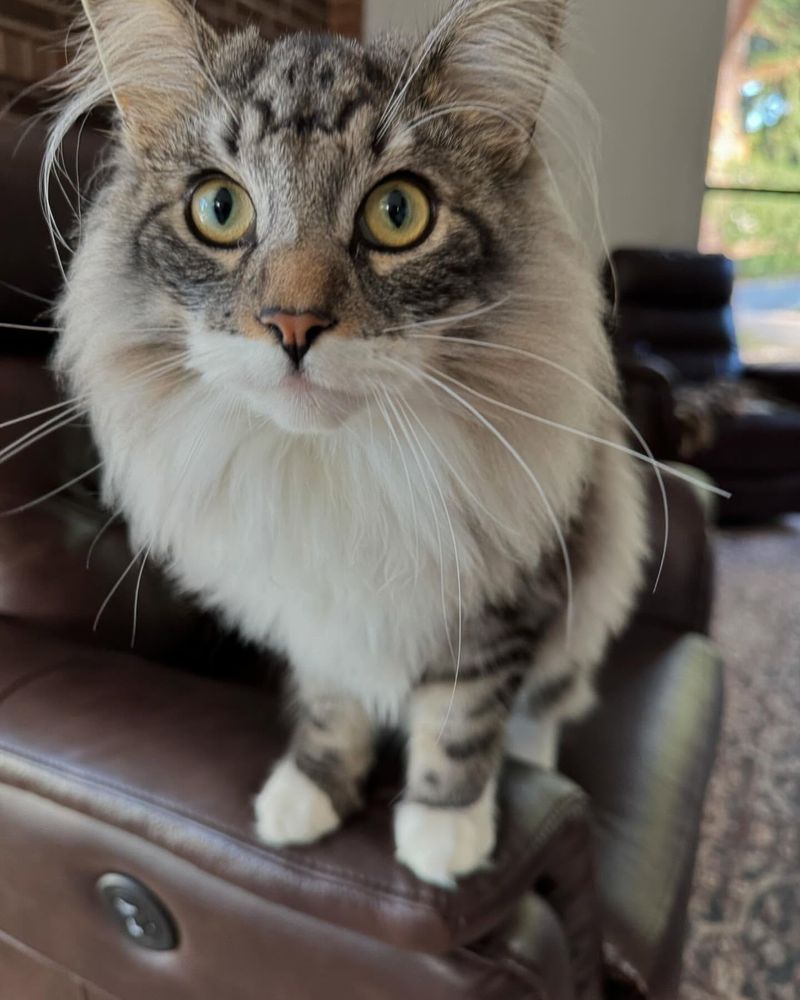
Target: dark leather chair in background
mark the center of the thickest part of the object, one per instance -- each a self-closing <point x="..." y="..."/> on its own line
<point x="674" y="326"/>
<point x="143" y="763"/>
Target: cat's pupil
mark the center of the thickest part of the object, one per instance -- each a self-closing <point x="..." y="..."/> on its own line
<point x="397" y="208"/>
<point x="223" y="206"/>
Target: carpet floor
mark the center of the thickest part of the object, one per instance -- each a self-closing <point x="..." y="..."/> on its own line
<point x="744" y="940"/>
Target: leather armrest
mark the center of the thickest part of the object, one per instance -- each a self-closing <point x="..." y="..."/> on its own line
<point x="683" y="599"/>
<point x="648" y="389"/>
<point x="175" y="760"/>
<point x="782" y="381"/>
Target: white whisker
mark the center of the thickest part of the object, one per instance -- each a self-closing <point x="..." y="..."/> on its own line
<point x="457" y="563"/>
<point x="99" y="535"/>
<point x="454" y="472"/>
<point x="136" y="596"/>
<point x="436" y="523"/>
<point x="116" y="587"/>
<point x="411" y="492"/>
<point x="525" y="468"/>
<point x="448" y="320"/>
<point x="48" y="496"/>
<point x="26" y="293"/>
<point x="658" y="467"/>
<point x="38" y="413"/>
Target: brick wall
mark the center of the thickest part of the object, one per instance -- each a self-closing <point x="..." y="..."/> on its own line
<point x="31" y="30"/>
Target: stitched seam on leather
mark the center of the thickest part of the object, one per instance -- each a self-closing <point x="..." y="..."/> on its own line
<point x="333" y="874"/>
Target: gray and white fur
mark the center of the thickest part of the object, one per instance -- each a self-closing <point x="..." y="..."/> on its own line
<point x="432" y="512"/>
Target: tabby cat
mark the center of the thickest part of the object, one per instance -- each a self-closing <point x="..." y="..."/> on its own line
<point x="342" y="354"/>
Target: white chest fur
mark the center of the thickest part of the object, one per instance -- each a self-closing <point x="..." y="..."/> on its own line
<point x="342" y="555"/>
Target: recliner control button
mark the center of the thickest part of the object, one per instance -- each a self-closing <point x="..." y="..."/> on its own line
<point x="138" y="912"/>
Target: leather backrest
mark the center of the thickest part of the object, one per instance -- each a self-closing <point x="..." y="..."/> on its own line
<point x="29" y="273"/>
<point x="677" y="305"/>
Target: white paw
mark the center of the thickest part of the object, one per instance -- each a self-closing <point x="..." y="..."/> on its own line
<point x="291" y="809"/>
<point x="439" y="845"/>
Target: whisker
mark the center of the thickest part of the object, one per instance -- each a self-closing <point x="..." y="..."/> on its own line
<point x="29" y="328"/>
<point x="447" y="320"/>
<point x="136" y="596"/>
<point x="454" y="472"/>
<point x="32" y="437"/>
<point x="658" y="467"/>
<point x="395" y="104"/>
<point x="116" y="587"/>
<point x="525" y="468"/>
<point x="99" y="535"/>
<point x="437" y="526"/>
<point x="586" y="435"/>
<point x="451" y="109"/>
<point x="457" y="563"/>
<point x="38" y="413"/>
<point x="27" y="294"/>
<point x="52" y="493"/>
<point x="411" y="494"/>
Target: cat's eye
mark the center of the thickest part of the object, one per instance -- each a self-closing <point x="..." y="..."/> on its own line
<point x="397" y="215"/>
<point x="221" y="212"/>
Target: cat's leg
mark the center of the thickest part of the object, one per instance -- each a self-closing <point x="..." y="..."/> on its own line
<point x="445" y="825"/>
<point x="318" y="783"/>
<point x="533" y="731"/>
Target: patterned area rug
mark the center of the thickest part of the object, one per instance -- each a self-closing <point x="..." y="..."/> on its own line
<point x="745" y="913"/>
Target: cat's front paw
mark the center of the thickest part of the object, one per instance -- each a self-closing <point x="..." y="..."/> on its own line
<point x="291" y="809"/>
<point x="441" y="844"/>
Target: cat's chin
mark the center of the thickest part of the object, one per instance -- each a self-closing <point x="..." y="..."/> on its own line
<point x="298" y="406"/>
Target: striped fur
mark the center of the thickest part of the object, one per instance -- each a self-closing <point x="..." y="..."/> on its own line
<point x="406" y="517"/>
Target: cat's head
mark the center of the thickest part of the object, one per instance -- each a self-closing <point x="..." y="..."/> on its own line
<point x="290" y="214"/>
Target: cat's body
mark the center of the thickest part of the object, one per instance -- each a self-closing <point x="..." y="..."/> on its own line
<point x="377" y="507"/>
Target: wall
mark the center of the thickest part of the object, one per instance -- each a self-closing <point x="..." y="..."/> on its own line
<point x="650" y="67"/>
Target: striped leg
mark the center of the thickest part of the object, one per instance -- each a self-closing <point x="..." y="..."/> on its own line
<point x="445" y="825"/>
<point x="318" y="783"/>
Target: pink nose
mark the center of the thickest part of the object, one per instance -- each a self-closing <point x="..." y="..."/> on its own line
<point x="296" y="332"/>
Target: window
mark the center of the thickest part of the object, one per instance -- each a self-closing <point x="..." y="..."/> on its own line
<point x="752" y="206"/>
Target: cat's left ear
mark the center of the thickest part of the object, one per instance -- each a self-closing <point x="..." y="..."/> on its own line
<point x="148" y="57"/>
<point x="494" y="59"/>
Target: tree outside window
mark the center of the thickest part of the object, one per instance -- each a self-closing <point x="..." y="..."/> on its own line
<point x="752" y="208"/>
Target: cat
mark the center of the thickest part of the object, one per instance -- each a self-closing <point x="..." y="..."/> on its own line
<point x="342" y="354"/>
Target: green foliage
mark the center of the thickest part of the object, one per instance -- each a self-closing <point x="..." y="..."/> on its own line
<point x="779" y="21"/>
<point x="762" y="232"/>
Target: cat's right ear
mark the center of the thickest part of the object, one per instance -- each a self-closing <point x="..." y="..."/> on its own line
<point x="148" y="56"/>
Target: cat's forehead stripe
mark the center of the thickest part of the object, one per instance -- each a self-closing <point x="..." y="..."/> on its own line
<point x="308" y="84"/>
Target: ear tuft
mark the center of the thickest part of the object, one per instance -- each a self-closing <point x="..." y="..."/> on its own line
<point x="147" y="55"/>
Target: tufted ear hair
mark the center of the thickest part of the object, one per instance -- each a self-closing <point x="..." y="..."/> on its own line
<point x="489" y="63"/>
<point x="146" y="55"/>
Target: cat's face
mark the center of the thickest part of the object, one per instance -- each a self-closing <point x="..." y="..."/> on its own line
<point x="295" y="218"/>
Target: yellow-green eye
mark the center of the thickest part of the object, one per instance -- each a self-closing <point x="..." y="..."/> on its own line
<point x="397" y="215"/>
<point x="221" y="211"/>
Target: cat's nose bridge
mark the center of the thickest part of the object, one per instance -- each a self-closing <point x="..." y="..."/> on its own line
<point x="303" y="279"/>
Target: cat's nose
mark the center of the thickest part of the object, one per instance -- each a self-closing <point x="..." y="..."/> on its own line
<point x="295" y="332"/>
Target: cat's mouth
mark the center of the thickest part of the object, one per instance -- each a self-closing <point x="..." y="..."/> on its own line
<point x="302" y="387"/>
<point x="298" y="403"/>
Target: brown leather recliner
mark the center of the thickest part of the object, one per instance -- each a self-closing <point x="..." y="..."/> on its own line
<point x="143" y="764"/>
<point x="674" y="326"/>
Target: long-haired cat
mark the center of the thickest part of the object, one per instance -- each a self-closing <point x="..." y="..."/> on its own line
<point x="343" y="359"/>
